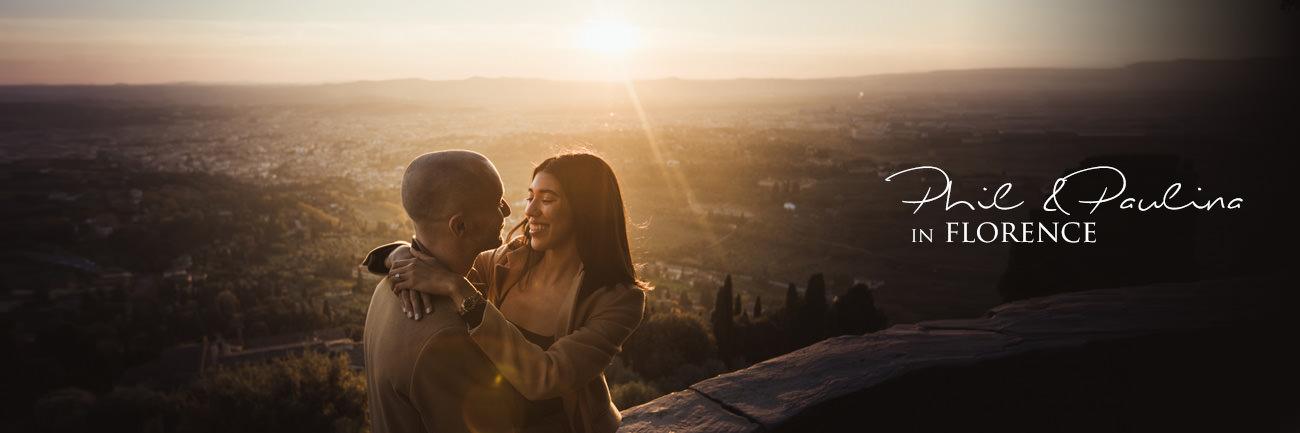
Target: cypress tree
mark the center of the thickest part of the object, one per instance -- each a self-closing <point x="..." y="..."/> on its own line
<point x="723" y="326"/>
<point x="812" y="315"/>
<point x="791" y="300"/>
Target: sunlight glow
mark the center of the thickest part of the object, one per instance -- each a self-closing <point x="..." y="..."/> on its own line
<point x="610" y="38"/>
<point x="677" y="183"/>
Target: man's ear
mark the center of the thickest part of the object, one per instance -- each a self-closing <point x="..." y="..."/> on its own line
<point x="457" y="225"/>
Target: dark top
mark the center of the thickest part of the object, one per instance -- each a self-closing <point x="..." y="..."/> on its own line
<point x="549" y="412"/>
<point x="540" y="340"/>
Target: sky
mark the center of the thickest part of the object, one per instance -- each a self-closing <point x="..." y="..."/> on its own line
<point x="283" y="41"/>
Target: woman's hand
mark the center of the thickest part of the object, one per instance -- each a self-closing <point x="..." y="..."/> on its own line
<point x="419" y="278"/>
<point x="415" y="304"/>
<point x="399" y="253"/>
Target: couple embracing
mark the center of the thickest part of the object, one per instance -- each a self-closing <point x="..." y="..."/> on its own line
<point x="466" y="333"/>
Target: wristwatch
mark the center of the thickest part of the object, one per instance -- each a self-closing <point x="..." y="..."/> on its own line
<point x="471" y="302"/>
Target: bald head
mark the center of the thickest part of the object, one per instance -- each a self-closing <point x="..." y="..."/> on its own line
<point x="439" y="184"/>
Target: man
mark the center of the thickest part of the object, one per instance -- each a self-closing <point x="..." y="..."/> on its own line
<point x="426" y="375"/>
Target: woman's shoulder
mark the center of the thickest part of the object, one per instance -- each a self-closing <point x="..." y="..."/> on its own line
<point x="516" y="243"/>
<point x="625" y="294"/>
<point x="498" y="254"/>
<point x="618" y="308"/>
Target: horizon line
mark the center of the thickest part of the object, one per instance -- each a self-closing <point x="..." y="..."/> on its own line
<point x="480" y="77"/>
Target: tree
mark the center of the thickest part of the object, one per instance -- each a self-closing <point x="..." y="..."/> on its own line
<point x="812" y="315"/>
<point x="723" y="327"/>
<point x="626" y="395"/>
<point x="737" y="308"/>
<point x="309" y="393"/>
<point x="758" y="306"/>
<point x="791" y="299"/>
<point x="131" y="409"/>
<point x="665" y="342"/>
<point x="763" y="338"/>
<point x="356" y="287"/>
<point x="64" y="410"/>
<point x="856" y="313"/>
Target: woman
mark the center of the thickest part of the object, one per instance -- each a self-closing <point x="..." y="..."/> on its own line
<point x="561" y="299"/>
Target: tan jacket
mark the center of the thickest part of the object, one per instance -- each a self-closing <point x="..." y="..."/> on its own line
<point x="573" y="368"/>
<point x="591" y="333"/>
<point x="428" y="376"/>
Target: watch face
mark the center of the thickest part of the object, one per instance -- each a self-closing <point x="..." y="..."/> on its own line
<point x="471" y="301"/>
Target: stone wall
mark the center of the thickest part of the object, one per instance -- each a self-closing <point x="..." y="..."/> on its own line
<point x="1197" y="356"/>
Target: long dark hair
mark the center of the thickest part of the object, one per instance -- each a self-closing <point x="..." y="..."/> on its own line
<point x="599" y="218"/>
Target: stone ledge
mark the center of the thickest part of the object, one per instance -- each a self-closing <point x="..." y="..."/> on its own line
<point x="773" y="392"/>
<point x="686" y="411"/>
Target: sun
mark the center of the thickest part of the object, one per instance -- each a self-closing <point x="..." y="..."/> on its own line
<point x="610" y="38"/>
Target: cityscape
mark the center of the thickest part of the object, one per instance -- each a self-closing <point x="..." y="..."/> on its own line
<point x="162" y="236"/>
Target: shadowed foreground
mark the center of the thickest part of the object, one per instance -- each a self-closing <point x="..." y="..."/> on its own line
<point x="1196" y="356"/>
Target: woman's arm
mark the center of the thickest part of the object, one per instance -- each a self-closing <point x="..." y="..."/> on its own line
<point x="379" y="260"/>
<point x="417" y="276"/>
<point x="574" y="359"/>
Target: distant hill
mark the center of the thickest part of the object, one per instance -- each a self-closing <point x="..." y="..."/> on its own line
<point x="489" y="93"/>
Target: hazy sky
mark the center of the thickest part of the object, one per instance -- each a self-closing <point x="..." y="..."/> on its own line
<point x="151" y="41"/>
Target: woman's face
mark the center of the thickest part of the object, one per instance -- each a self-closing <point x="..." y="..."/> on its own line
<point x="550" y="217"/>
